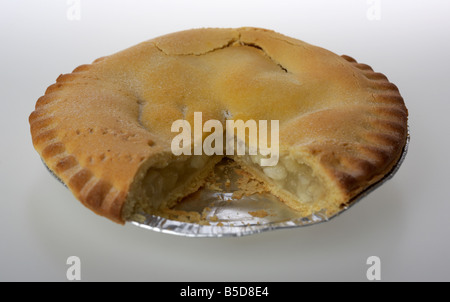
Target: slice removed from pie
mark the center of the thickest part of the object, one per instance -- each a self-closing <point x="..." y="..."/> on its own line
<point x="105" y="128"/>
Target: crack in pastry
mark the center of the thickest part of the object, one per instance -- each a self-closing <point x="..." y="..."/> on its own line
<point x="105" y="128"/>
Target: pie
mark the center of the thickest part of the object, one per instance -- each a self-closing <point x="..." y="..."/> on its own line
<point x="105" y="128"/>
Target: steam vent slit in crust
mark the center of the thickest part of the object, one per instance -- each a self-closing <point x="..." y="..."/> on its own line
<point x="105" y="128"/>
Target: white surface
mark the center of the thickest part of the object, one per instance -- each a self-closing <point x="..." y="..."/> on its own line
<point x="405" y="222"/>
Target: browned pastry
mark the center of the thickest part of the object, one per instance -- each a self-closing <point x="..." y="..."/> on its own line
<point x="105" y="128"/>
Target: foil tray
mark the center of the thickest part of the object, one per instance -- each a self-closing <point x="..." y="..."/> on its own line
<point x="248" y="215"/>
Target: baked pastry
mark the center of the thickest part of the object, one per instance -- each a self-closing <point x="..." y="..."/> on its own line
<point x="105" y="128"/>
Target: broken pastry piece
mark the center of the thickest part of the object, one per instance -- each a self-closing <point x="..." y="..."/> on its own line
<point x="105" y="128"/>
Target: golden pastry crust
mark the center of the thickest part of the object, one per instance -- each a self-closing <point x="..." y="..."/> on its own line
<point x="103" y="126"/>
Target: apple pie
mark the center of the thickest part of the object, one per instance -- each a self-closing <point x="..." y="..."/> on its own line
<point x="105" y="128"/>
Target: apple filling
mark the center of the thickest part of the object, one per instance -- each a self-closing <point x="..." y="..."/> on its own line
<point x="293" y="176"/>
<point x="161" y="185"/>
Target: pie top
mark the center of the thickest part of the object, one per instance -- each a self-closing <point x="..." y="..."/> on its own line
<point x="102" y="128"/>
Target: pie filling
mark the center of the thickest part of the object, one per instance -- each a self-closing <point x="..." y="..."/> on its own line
<point x="162" y="185"/>
<point x="292" y="176"/>
<point x="159" y="184"/>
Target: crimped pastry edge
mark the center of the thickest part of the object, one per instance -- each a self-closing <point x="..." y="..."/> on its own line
<point x="106" y="200"/>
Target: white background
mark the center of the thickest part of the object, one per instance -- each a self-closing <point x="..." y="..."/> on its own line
<point x="405" y="223"/>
